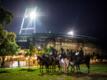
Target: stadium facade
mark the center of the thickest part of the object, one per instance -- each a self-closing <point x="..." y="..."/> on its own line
<point x="58" y="41"/>
<point x="41" y="40"/>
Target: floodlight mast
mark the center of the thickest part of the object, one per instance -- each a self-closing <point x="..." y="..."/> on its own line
<point x="20" y="32"/>
<point x="31" y="16"/>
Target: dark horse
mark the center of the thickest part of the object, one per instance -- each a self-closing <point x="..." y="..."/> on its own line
<point x="41" y="62"/>
<point x="48" y="62"/>
<point x="44" y="61"/>
<point x="77" y="60"/>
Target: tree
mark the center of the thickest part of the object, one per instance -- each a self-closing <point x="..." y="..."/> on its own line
<point x="5" y="16"/>
<point x="8" y="46"/>
<point x="3" y="34"/>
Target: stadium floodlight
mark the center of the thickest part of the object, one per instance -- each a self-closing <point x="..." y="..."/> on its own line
<point x="29" y="21"/>
<point x="33" y="15"/>
<point x="71" y="33"/>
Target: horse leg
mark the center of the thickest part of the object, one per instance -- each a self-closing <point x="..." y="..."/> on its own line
<point x="65" y="68"/>
<point x="72" y="66"/>
<point x="41" y="69"/>
<point x="59" y="67"/>
<point x="46" y="68"/>
<point x="68" y="66"/>
<point x="51" y="68"/>
<point x="78" y="68"/>
<point x="88" y="66"/>
<point x="72" y="69"/>
<point x="54" y="68"/>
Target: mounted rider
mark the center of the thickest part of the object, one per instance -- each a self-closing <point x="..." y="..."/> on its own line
<point x="63" y="54"/>
<point x="79" y="55"/>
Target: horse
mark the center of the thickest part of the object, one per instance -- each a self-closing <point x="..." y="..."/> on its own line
<point x="44" y="61"/>
<point x="76" y="61"/>
<point x="64" y="60"/>
<point x="49" y="62"/>
<point x="64" y="63"/>
<point x="41" y="62"/>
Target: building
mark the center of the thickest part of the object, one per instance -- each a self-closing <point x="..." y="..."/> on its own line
<point x="58" y="41"/>
<point x="41" y="40"/>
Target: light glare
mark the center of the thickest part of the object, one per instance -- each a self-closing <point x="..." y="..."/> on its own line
<point x="70" y="33"/>
<point x="33" y="15"/>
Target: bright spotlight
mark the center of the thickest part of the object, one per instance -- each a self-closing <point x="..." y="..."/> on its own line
<point x="33" y="15"/>
<point x="29" y="21"/>
<point x="71" y="33"/>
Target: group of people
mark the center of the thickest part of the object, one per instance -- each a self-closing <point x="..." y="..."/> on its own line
<point x="64" y="58"/>
<point x="66" y="53"/>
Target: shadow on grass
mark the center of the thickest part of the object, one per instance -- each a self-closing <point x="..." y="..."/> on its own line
<point x="77" y="74"/>
<point x="4" y="71"/>
<point x="53" y="73"/>
<point x="29" y="70"/>
<point x="98" y="75"/>
<point x="47" y="73"/>
<point x="91" y="75"/>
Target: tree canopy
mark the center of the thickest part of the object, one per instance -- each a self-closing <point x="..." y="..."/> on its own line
<point x="8" y="45"/>
<point x="5" y="16"/>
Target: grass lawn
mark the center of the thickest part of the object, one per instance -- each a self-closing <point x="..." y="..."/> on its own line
<point x="98" y="72"/>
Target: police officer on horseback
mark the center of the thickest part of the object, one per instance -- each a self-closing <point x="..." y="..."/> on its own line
<point x="63" y="54"/>
<point x="79" y="55"/>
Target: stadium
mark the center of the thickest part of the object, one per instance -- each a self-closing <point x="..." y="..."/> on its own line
<point x="45" y="40"/>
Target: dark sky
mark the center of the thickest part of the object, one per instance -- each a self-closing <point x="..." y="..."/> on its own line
<point x="85" y="17"/>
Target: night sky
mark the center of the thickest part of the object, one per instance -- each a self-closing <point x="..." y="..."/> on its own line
<point x="85" y="17"/>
